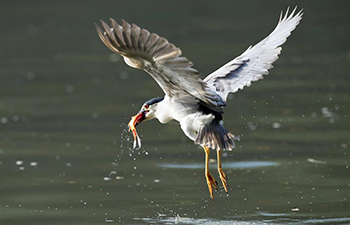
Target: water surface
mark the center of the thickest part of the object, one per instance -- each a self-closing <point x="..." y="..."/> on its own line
<point x="65" y="153"/>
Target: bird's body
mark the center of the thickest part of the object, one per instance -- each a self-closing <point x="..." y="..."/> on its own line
<point x="195" y="103"/>
<point x="190" y="118"/>
<point x="170" y="109"/>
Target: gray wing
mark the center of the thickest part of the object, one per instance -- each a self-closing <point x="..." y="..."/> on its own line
<point x="161" y="59"/>
<point x="255" y="61"/>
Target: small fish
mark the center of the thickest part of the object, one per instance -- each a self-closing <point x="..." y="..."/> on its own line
<point x="132" y="127"/>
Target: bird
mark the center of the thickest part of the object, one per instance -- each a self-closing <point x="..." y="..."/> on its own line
<point x="196" y="103"/>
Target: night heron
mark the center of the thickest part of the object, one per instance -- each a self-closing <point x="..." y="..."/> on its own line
<point x="195" y="103"/>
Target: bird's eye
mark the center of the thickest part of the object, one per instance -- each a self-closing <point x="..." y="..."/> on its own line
<point x="146" y="106"/>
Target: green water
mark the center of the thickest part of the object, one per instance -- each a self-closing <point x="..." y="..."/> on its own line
<point x="65" y="153"/>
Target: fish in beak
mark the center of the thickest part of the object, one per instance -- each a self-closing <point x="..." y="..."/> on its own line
<point x="135" y="120"/>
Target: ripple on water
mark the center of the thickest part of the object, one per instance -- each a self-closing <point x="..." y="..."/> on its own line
<point x="243" y="165"/>
<point x="186" y="220"/>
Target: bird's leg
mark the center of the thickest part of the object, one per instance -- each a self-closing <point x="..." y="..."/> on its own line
<point x="221" y="173"/>
<point x="210" y="179"/>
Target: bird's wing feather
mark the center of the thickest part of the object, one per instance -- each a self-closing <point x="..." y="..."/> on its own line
<point x="161" y="59"/>
<point x="255" y="61"/>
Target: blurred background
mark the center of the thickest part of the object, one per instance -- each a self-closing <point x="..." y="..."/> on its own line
<point x="65" y="155"/>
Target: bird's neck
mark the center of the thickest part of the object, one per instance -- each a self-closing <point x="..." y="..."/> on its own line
<point x="163" y="111"/>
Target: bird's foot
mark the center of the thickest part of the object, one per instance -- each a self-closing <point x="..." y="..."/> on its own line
<point x="211" y="183"/>
<point x="223" y="179"/>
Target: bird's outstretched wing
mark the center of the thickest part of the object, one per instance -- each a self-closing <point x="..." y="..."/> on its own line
<point x="255" y="61"/>
<point x="161" y="59"/>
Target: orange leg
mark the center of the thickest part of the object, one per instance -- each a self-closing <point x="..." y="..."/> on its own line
<point x="210" y="179"/>
<point x="221" y="173"/>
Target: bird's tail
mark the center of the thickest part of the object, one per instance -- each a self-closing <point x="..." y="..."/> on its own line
<point x="214" y="135"/>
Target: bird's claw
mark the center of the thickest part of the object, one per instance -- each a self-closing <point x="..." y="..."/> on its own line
<point x="211" y="183"/>
<point x="223" y="179"/>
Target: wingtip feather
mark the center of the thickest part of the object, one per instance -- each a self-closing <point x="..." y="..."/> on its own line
<point x="255" y="62"/>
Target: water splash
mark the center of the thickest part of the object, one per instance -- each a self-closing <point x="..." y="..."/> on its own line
<point x="177" y="219"/>
<point x="124" y="144"/>
<point x="125" y="147"/>
<point x="127" y="144"/>
<point x="208" y="221"/>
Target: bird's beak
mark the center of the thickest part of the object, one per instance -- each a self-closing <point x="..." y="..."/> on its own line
<point x="135" y="120"/>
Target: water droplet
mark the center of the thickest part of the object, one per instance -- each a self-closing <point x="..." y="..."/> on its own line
<point x="33" y="164"/>
<point x="94" y="115"/>
<point x="276" y="125"/>
<point x="295" y="209"/>
<point x="114" y="57"/>
<point x="30" y="75"/>
<point x="251" y="126"/>
<point x="19" y="162"/>
<point x="4" y="120"/>
<point x="123" y="75"/>
<point x="15" y="118"/>
<point x="69" y="88"/>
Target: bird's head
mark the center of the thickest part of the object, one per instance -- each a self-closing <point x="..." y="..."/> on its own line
<point x="147" y="112"/>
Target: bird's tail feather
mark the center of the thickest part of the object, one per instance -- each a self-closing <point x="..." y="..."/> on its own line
<point x="214" y="135"/>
